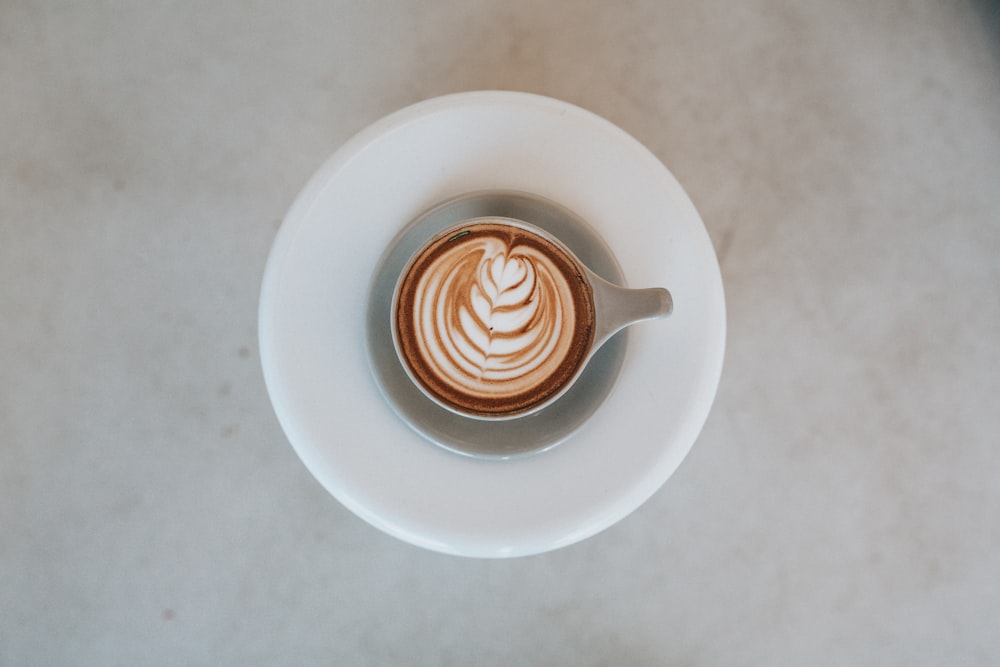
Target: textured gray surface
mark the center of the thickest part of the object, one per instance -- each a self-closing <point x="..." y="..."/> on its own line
<point x="841" y="506"/>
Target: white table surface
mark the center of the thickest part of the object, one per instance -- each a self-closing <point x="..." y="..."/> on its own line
<point x="842" y="505"/>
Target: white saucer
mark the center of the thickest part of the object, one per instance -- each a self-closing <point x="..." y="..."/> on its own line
<point x="312" y="325"/>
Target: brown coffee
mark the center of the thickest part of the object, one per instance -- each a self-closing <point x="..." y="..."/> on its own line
<point x="492" y="319"/>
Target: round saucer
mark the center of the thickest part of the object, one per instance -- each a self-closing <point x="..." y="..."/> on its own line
<point x="312" y="325"/>
<point x="530" y="434"/>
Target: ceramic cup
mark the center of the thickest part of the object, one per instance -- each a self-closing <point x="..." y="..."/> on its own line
<point x="503" y="271"/>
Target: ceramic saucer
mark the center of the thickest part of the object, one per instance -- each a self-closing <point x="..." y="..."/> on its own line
<point x="498" y="439"/>
<point x="313" y="314"/>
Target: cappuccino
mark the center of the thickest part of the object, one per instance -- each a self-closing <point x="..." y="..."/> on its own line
<point x="492" y="319"/>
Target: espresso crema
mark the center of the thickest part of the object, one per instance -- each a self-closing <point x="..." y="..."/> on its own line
<point x="492" y="319"/>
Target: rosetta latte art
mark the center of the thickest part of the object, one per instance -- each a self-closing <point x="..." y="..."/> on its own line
<point x="494" y="319"/>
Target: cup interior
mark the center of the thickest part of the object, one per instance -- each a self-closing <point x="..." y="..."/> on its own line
<point x="569" y="258"/>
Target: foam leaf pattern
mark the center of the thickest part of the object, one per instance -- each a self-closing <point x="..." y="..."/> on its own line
<point x="494" y="317"/>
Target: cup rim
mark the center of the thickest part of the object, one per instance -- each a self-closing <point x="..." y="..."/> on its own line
<point x="534" y="407"/>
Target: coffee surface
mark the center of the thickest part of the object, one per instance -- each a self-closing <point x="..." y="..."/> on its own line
<point x="493" y="319"/>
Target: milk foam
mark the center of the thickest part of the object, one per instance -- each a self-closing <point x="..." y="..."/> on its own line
<point x="494" y="316"/>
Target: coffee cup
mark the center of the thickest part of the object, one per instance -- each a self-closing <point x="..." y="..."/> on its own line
<point x="493" y="318"/>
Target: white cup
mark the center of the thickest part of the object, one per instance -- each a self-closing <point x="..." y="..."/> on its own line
<point x="614" y="308"/>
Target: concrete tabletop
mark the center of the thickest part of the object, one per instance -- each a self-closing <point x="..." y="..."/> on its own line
<point x="842" y="505"/>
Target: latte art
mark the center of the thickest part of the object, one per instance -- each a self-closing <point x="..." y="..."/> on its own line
<point x="486" y="315"/>
<point x="493" y="319"/>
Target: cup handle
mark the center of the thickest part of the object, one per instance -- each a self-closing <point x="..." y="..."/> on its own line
<point x="617" y="307"/>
